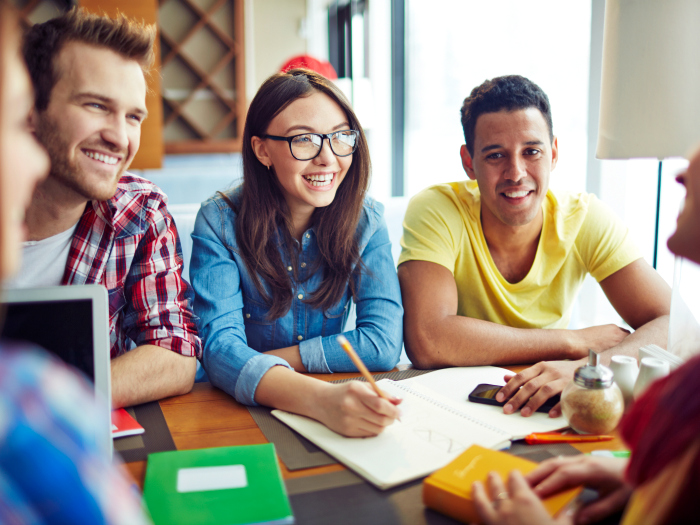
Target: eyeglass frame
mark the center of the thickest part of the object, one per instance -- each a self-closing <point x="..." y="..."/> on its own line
<point x="289" y="140"/>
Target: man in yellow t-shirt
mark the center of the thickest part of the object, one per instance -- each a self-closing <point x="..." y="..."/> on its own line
<point x="490" y="267"/>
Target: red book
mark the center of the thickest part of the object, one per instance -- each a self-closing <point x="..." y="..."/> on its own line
<point x="124" y="425"/>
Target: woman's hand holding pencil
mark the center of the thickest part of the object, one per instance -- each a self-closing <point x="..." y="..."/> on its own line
<point x="356" y="408"/>
<point x="353" y="409"/>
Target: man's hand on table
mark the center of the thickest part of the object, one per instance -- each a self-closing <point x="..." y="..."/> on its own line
<point x="535" y="385"/>
<point x="598" y="338"/>
<point x="538" y="383"/>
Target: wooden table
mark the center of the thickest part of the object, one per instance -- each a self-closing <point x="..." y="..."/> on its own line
<point x="208" y="417"/>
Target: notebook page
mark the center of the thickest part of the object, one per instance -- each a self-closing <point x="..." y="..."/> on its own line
<point x="451" y="386"/>
<point x="427" y="438"/>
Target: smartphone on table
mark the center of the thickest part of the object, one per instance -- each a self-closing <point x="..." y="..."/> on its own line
<point x="486" y="394"/>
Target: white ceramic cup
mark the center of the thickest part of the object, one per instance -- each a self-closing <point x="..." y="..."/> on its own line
<point x="625" y="372"/>
<point x="650" y="370"/>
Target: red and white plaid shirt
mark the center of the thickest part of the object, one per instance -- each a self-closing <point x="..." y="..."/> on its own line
<point x="130" y="245"/>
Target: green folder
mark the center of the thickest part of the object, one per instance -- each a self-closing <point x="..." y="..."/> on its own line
<point x="227" y="485"/>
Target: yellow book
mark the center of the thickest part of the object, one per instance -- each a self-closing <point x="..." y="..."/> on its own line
<point x="449" y="490"/>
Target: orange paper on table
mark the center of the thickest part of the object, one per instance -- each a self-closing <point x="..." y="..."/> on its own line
<point x="449" y="490"/>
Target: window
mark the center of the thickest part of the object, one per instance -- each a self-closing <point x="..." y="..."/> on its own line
<point x="454" y="45"/>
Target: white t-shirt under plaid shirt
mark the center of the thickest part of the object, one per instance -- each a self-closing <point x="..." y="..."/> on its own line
<point x="130" y="245"/>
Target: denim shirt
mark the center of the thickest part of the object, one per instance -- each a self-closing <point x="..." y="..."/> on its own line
<point x="232" y="314"/>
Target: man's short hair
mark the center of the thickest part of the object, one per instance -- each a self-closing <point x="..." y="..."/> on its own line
<point x="43" y="42"/>
<point x="509" y="93"/>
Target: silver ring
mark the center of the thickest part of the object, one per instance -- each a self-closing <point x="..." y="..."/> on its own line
<point x="502" y="496"/>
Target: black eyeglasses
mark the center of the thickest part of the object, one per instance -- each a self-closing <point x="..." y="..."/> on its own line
<point x="307" y="146"/>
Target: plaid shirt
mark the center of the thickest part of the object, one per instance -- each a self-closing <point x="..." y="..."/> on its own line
<point x="130" y="245"/>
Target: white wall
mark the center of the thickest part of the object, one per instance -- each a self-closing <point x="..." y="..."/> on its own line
<point x="454" y="45"/>
<point x="274" y="33"/>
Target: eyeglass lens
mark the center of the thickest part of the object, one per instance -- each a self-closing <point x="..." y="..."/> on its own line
<point x="307" y="146"/>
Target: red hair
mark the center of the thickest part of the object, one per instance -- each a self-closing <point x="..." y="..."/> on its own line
<point x="660" y="427"/>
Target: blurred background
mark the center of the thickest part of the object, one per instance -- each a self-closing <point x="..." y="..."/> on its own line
<point x="406" y="66"/>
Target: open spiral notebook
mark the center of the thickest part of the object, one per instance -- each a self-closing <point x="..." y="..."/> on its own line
<point x="437" y="424"/>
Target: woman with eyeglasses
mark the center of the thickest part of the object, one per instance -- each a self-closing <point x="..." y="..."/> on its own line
<point x="277" y="261"/>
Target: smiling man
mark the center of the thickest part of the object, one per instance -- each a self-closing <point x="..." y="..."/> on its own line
<point x="90" y="222"/>
<point x="490" y="267"/>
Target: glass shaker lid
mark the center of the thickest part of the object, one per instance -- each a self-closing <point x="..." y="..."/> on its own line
<point x="593" y="375"/>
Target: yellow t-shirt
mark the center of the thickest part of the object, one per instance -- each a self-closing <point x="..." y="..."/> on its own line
<point x="580" y="235"/>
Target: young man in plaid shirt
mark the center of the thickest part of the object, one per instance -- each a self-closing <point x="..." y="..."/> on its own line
<point x="90" y="221"/>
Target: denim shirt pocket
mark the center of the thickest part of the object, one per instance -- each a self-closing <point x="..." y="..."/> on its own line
<point x="335" y="317"/>
<point x="259" y="330"/>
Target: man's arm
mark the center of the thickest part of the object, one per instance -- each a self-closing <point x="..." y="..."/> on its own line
<point x="158" y="315"/>
<point x="435" y="336"/>
<point x="641" y="297"/>
<point x="148" y="373"/>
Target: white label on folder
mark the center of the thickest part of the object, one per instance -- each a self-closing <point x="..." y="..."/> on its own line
<point x="211" y="478"/>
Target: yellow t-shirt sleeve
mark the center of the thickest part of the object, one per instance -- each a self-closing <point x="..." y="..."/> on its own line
<point x="432" y="228"/>
<point x="604" y="242"/>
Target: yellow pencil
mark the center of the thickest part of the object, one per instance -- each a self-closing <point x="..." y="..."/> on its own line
<point x="360" y="365"/>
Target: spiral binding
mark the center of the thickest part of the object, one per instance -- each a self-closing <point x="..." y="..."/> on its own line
<point x="450" y="409"/>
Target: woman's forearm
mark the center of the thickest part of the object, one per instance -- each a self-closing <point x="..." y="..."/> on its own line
<point x="291" y="355"/>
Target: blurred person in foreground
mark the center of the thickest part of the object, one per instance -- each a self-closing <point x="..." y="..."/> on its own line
<point x="660" y="483"/>
<point x="51" y="470"/>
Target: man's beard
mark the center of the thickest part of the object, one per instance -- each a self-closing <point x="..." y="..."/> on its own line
<point x="66" y="170"/>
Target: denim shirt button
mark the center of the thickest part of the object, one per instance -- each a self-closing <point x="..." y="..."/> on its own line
<point x="300" y="337"/>
<point x="289" y="268"/>
<point x="303" y="265"/>
<point x="300" y="296"/>
<point x="308" y="235"/>
<point x="247" y="316"/>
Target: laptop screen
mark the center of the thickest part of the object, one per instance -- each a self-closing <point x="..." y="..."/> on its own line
<point x="62" y="327"/>
<point x="72" y="323"/>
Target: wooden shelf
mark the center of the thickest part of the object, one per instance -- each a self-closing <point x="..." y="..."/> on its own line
<point x="200" y="57"/>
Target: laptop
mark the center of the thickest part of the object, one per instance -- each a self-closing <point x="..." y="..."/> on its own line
<point x="72" y="323"/>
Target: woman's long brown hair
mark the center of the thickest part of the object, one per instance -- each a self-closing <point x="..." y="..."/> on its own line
<point x="263" y="219"/>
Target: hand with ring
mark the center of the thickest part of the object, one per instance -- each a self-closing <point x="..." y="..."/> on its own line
<point x="500" y="497"/>
<point x="516" y="505"/>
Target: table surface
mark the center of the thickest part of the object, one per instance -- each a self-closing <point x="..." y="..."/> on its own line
<point x="208" y="417"/>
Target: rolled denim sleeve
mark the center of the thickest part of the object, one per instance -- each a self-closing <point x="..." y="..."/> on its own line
<point x="312" y="356"/>
<point x="230" y="363"/>
<point x="378" y="336"/>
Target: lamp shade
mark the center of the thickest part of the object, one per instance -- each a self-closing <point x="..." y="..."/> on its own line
<point x="650" y="97"/>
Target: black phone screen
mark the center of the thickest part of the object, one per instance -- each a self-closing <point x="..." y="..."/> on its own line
<point x="487" y="394"/>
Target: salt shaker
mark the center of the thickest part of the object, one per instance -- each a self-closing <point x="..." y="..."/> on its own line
<point x="650" y="370"/>
<point x="592" y="403"/>
<point x="625" y="372"/>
